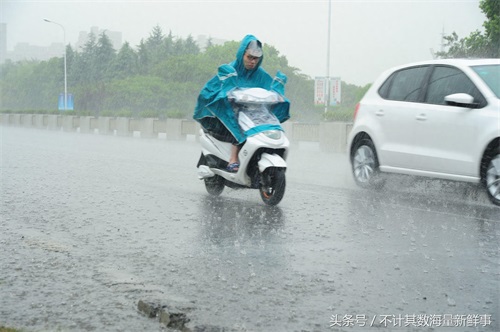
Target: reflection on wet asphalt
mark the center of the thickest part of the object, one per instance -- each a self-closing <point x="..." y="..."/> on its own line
<point x="91" y="225"/>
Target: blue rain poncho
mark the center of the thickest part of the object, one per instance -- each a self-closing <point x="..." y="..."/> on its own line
<point x="213" y="109"/>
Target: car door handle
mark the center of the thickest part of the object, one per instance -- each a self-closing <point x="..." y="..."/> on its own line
<point x="379" y="113"/>
<point x="421" y="117"/>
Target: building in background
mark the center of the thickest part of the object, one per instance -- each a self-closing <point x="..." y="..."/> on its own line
<point x="26" y="51"/>
<point x="114" y="36"/>
<point x="202" y="41"/>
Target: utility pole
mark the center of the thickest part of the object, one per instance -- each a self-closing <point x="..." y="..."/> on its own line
<point x="65" y="75"/>
<point x="327" y="80"/>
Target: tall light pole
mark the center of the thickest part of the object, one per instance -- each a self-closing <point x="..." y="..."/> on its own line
<point x="327" y="81"/>
<point x="65" y="76"/>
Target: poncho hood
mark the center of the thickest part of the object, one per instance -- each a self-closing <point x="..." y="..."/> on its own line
<point x="239" y="65"/>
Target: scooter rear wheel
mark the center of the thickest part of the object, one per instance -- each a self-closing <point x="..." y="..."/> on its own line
<point x="273" y="189"/>
<point x="215" y="185"/>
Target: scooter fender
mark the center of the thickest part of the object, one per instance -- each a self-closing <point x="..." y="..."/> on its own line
<point x="270" y="160"/>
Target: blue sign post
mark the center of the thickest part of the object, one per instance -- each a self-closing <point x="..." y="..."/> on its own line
<point x="69" y="102"/>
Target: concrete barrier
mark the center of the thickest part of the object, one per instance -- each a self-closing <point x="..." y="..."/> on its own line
<point x="53" y="122"/>
<point x="174" y="130"/>
<point x="332" y="136"/>
<point x="38" y="121"/>
<point x="94" y="124"/>
<point x="26" y="120"/>
<point x="123" y="127"/>
<point x="14" y="119"/>
<point x="84" y="124"/>
<point x="160" y="126"/>
<point x="67" y="123"/>
<point x="307" y="132"/>
<point x="104" y="126"/>
<point x="146" y="128"/>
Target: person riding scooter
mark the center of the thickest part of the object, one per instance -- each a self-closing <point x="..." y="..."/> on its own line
<point x="213" y="110"/>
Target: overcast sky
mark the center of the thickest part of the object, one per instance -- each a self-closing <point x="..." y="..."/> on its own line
<point x="367" y="36"/>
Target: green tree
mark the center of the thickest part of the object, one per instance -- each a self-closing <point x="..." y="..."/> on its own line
<point x="70" y="56"/>
<point x="351" y="95"/>
<point x="137" y="94"/>
<point x="104" y="58"/>
<point x="82" y="71"/>
<point x="215" y="55"/>
<point x="161" y="77"/>
<point x="477" y="44"/>
<point x="491" y="8"/>
<point x="155" y="46"/>
<point x="184" y="47"/>
<point x="32" y="85"/>
<point x="125" y="63"/>
<point x="143" y="58"/>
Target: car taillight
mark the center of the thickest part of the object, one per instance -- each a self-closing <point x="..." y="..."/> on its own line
<point x="355" y="112"/>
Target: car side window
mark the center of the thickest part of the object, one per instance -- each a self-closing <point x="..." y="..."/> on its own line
<point x="445" y="81"/>
<point x="404" y="85"/>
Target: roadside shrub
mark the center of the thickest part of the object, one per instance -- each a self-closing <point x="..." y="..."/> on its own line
<point x="339" y="114"/>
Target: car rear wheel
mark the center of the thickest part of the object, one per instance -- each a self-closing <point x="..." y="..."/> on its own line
<point x="365" y="166"/>
<point x="492" y="179"/>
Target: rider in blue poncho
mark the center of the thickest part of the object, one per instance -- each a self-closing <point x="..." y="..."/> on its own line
<point x="213" y="110"/>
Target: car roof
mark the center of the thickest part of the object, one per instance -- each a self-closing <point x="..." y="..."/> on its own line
<point x="461" y="63"/>
<point x="454" y="62"/>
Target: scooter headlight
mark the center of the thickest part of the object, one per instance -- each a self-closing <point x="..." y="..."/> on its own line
<point x="273" y="134"/>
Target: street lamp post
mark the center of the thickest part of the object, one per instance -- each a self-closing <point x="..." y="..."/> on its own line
<point x="327" y="81"/>
<point x="65" y="75"/>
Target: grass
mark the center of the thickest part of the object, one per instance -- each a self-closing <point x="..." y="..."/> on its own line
<point x="8" y="329"/>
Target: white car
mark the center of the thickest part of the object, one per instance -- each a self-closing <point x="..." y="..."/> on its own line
<point x="438" y="119"/>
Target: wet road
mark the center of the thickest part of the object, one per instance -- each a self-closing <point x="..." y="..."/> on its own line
<point x="90" y="225"/>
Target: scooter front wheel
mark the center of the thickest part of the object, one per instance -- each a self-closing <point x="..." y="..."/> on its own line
<point x="273" y="185"/>
<point x="215" y="185"/>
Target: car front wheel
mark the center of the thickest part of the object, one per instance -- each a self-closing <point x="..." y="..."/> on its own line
<point x="492" y="179"/>
<point x="365" y="166"/>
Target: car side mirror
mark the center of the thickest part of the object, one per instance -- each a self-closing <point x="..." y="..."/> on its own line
<point x="461" y="100"/>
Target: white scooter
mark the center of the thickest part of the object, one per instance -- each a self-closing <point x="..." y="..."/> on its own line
<point x="262" y="157"/>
